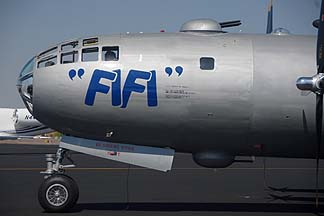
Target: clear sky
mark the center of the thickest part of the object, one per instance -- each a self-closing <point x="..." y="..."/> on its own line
<point x="28" y="27"/>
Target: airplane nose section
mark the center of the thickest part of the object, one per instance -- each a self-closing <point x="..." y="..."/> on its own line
<point x="25" y="84"/>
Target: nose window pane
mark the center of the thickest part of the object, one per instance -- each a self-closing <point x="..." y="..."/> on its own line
<point x="70" y="46"/>
<point x="69" y="57"/>
<point x="28" y="67"/>
<point x="90" y="41"/>
<point x="110" y="53"/>
<point x="47" y="62"/>
<point x="90" y="54"/>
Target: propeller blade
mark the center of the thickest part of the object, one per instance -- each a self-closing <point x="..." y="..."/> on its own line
<point x="319" y="97"/>
<point x="320" y="42"/>
<point x="270" y="18"/>
<point x="319" y="120"/>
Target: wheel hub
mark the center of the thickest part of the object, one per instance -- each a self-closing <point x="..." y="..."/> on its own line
<point x="57" y="194"/>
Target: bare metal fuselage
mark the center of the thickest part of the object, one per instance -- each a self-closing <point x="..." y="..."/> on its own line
<point x="247" y="105"/>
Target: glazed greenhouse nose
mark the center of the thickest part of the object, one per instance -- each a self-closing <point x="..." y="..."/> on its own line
<point x="25" y="84"/>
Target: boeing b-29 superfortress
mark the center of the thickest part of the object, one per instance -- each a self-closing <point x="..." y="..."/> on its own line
<point x="138" y="98"/>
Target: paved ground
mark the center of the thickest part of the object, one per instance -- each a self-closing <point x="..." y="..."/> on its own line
<point x="111" y="188"/>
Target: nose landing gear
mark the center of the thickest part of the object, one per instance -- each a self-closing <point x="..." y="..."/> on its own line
<point x="58" y="192"/>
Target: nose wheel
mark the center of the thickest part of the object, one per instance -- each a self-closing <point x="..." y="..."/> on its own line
<point x="58" y="192"/>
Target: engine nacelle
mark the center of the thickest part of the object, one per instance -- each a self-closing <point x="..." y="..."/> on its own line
<point x="211" y="159"/>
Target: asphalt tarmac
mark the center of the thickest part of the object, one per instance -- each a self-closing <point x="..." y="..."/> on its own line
<point x="284" y="187"/>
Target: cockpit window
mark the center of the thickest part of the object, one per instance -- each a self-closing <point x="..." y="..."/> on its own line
<point x="69" y="57"/>
<point x="90" y="54"/>
<point x="28" y="67"/>
<point x="47" y="58"/>
<point x="110" y="53"/>
<point x="90" y="41"/>
<point x="69" y="46"/>
<point x="48" y="52"/>
<point x="47" y="62"/>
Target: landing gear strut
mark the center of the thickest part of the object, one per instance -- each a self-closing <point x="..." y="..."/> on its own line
<point x="58" y="192"/>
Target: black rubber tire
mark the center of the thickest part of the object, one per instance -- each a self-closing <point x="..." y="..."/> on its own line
<point x="68" y="183"/>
